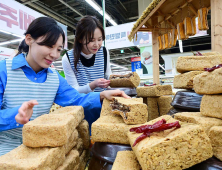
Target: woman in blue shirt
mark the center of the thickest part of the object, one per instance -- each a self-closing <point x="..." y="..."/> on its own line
<point x="28" y="87"/>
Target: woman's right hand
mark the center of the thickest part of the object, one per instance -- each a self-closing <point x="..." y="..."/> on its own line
<point x="102" y="83"/>
<point x="109" y="94"/>
<point x="25" y="112"/>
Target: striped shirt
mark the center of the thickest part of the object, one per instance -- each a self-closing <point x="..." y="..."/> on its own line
<point x="86" y="75"/>
<point x="65" y="95"/>
<point x="20" y="83"/>
<point x="20" y="89"/>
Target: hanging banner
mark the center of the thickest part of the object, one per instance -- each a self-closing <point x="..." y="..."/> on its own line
<point x="135" y="63"/>
<point x="117" y="37"/>
<point x="15" y="17"/>
<point x="147" y="60"/>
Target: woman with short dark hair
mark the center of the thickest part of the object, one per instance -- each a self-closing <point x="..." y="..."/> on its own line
<point x="28" y="87"/>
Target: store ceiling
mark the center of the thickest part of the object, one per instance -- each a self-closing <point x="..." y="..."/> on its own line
<point x="7" y="37"/>
<point x="68" y="12"/>
<point x="122" y="11"/>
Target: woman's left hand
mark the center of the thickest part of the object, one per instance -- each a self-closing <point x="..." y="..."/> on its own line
<point x="102" y="83"/>
<point x="109" y="94"/>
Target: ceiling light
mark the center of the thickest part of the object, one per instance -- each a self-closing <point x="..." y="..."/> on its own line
<point x="12" y="41"/>
<point x="107" y="16"/>
<point x="113" y="22"/>
<point x="116" y="65"/>
<point x="100" y="10"/>
<point x="93" y="4"/>
<point x="19" y="36"/>
<point x="16" y="40"/>
<point x="6" y="32"/>
<point x="162" y="67"/>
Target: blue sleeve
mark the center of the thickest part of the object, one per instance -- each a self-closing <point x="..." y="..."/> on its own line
<point x="68" y="96"/>
<point x="7" y="116"/>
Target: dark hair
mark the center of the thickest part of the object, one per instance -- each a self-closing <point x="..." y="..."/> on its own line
<point x="42" y="26"/>
<point x="85" y="30"/>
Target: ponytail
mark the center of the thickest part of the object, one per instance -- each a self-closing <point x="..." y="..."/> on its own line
<point x="23" y="48"/>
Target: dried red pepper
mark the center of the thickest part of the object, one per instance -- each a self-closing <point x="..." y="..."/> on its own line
<point x="149" y="84"/>
<point x="199" y="54"/>
<point x="154" y="126"/>
<point x="213" y="68"/>
<point x="134" y="129"/>
<point x="141" y="137"/>
<point x="159" y="127"/>
<point x="165" y="127"/>
<point x="146" y="126"/>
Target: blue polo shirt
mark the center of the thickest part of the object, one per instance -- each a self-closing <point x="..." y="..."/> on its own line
<point x="65" y="96"/>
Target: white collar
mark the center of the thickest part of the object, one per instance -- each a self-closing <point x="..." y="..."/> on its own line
<point x="87" y="56"/>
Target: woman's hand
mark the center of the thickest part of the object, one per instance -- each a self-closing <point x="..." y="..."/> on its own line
<point x="103" y="83"/>
<point x="109" y="94"/>
<point x="25" y="112"/>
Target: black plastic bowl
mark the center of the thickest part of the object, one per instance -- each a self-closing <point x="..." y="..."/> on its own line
<point x="187" y="100"/>
<point x="104" y="155"/>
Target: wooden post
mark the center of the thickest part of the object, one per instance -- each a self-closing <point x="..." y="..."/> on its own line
<point x="155" y="47"/>
<point x="216" y="25"/>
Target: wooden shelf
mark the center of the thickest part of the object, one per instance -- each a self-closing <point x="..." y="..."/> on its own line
<point x="162" y="15"/>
